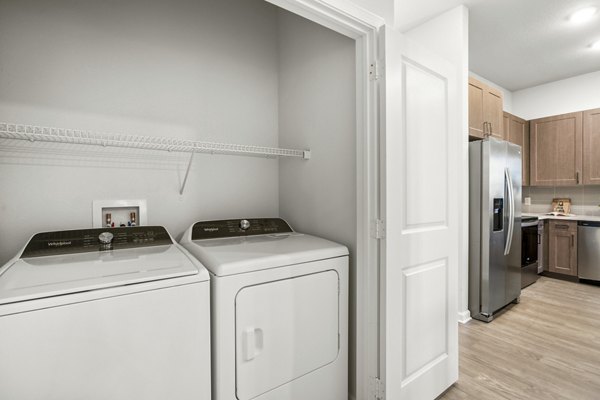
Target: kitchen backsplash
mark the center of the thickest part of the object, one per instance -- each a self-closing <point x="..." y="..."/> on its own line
<point x="584" y="199"/>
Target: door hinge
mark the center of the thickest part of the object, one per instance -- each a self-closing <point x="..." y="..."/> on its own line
<point x="378" y="229"/>
<point x="374" y="71"/>
<point x="377" y="389"/>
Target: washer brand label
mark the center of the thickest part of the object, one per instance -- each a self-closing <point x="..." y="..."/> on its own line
<point x="211" y="229"/>
<point x="60" y="243"/>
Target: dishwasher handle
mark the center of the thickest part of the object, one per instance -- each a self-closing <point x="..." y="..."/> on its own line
<point x="591" y="224"/>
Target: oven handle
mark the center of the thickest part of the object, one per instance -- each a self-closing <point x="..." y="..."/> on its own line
<point x="528" y="224"/>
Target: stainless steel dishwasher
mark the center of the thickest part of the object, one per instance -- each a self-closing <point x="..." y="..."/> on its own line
<point x="588" y="250"/>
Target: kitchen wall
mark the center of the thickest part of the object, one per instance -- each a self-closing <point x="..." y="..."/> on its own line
<point x="137" y="67"/>
<point x="317" y="110"/>
<point x="585" y="200"/>
<point x="454" y="46"/>
<point x="560" y="97"/>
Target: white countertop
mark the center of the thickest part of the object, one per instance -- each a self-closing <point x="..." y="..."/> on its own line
<point x="570" y="218"/>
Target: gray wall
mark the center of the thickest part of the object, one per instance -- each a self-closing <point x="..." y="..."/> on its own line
<point x="317" y="110"/>
<point x="245" y="72"/>
<point x="137" y="67"/>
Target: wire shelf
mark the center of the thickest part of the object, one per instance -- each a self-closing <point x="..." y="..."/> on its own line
<point x="74" y="136"/>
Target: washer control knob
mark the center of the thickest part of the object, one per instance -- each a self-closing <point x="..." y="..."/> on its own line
<point x="105" y="237"/>
<point x="244" y="224"/>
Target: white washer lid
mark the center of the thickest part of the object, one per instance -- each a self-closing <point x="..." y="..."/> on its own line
<point x="39" y="277"/>
<point x="236" y="255"/>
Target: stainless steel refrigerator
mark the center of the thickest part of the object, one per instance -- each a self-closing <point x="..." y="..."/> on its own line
<point x="494" y="226"/>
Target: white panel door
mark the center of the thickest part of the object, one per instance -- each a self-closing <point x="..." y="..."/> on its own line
<point x="420" y="160"/>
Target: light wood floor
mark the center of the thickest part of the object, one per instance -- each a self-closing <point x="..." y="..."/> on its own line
<point x="547" y="347"/>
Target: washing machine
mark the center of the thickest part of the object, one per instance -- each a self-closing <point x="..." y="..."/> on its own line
<point x="97" y="314"/>
<point x="279" y="310"/>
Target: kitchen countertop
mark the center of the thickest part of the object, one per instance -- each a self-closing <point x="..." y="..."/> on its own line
<point x="570" y="218"/>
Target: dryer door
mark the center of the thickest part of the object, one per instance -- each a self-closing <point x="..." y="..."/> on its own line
<point x="284" y="330"/>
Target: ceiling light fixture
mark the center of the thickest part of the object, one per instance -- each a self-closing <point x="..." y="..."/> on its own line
<point x="583" y="15"/>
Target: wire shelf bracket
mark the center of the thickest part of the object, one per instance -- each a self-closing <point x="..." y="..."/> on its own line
<point x="81" y="137"/>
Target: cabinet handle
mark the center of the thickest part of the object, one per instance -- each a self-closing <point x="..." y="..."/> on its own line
<point x="561" y="226"/>
<point x="577" y="177"/>
<point x="572" y="240"/>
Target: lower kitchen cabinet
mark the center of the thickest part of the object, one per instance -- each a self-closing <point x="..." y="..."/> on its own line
<point x="563" y="247"/>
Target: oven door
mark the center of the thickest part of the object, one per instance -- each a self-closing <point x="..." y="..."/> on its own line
<point x="529" y="254"/>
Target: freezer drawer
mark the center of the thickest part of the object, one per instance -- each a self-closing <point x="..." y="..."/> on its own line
<point x="588" y="250"/>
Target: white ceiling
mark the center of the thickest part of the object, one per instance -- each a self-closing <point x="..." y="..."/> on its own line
<point x="519" y="43"/>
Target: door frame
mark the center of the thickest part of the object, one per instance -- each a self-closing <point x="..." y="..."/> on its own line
<point x="360" y="25"/>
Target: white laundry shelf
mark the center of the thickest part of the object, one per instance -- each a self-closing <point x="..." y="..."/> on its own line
<point x="74" y="136"/>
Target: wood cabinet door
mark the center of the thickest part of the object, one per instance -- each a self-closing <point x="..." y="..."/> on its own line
<point x="476" y="91"/>
<point x="526" y="155"/>
<point x="591" y="147"/>
<point x="506" y="126"/>
<point x="563" y="247"/>
<point x="518" y="133"/>
<point x="492" y="112"/>
<point x="485" y="110"/>
<point x="556" y="150"/>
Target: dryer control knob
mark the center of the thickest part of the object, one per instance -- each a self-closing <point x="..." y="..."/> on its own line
<point x="244" y="224"/>
<point x="105" y="237"/>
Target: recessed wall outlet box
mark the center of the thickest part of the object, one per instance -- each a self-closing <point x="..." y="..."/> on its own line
<point x="527" y="201"/>
<point x="119" y="213"/>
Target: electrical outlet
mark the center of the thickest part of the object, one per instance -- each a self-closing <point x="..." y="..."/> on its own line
<point x="527" y="201"/>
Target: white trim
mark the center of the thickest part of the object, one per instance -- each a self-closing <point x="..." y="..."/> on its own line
<point x="464" y="316"/>
<point x="350" y="20"/>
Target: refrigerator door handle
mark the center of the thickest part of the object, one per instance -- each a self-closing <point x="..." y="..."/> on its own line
<point x="511" y="207"/>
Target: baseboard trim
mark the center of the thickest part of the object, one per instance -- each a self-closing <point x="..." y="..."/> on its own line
<point x="464" y="316"/>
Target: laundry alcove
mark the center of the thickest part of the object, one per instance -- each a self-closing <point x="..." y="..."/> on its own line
<point x="228" y="71"/>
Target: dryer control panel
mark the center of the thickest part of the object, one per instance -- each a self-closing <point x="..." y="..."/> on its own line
<point x="239" y="227"/>
<point x="90" y="240"/>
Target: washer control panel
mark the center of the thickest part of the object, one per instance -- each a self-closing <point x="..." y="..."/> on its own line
<point x="90" y="240"/>
<point x="239" y="227"/>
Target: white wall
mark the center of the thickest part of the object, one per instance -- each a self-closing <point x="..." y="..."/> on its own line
<point x="382" y="8"/>
<point x="568" y="95"/>
<point x="507" y="94"/>
<point x="139" y="67"/>
<point x="317" y="110"/>
<point x="448" y="36"/>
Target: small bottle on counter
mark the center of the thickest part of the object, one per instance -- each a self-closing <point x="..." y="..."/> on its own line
<point x="132" y="218"/>
<point x="108" y="220"/>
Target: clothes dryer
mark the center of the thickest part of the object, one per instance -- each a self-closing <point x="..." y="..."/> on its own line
<point x="279" y="310"/>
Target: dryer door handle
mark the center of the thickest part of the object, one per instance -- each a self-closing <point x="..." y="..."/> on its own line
<point x="252" y="343"/>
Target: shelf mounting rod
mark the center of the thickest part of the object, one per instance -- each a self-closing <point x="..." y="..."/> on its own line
<point x="187" y="172"/>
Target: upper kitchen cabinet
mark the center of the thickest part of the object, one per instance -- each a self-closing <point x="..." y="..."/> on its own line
<point x="506" y="125"/>
<point x="591" y="147"/>
<point x="556" y="150"/>
<point x="517" y="131"/>
<point x="485" y="110"/>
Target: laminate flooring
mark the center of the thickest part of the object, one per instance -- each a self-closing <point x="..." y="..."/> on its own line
<point x="547" y="347"/>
